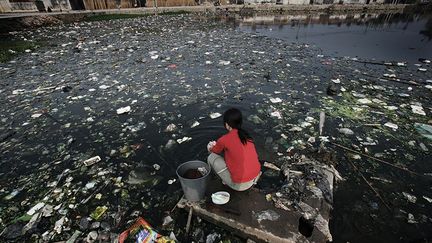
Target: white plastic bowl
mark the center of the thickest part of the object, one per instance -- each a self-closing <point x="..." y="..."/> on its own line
<point x="220" y="198"/>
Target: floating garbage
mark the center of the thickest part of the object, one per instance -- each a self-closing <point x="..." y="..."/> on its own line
<point x="275" y="100"/>
<point x="156" y="166"/>
<point x="31" y="224"/>
<point x="411" y="219"/>
<point x="143" y="232"/>
<point x="184" y="139"/>
<point x="36" y="115"/>
<point x="222" y="62"/>
<point x="167" y="220"/>
<point x="391" y="125"/>
<point x="271" y="166"/>
<point x="98" y="212"/>
<point x="92" y="161"/>
<point x="143" y="177"/>
<point x="58" y="122"/>
<point x="409" y="197"/>
<point x="364" y="101"/>
<point x="92" y="236"/>
<point x="418" y="109"/>
<point x="429" y="200"/>
<point x="123" y="110"/>
<point x="346" y="131"/>
<point x="171" y="128"/>
<point x="36" y="208"/>
<point x="424" y="129"/>
<point x="12" y="194"/>
<point x="195" y="124"/>
<point x="74" y="236"/>
<point x="276" y="114"/>
<point x="215" y="115"/>
<point x="58" y="226"/>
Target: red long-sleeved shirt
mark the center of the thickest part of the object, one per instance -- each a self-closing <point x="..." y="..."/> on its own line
<point x="241" y="159"/>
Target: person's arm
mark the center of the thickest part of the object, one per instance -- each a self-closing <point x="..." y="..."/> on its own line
<point x="218" y="147"/>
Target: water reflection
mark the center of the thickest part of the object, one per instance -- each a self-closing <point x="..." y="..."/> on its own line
<point x="393" y="36"/>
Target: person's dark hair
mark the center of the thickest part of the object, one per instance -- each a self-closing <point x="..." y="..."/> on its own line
<point x="233" y="117"/>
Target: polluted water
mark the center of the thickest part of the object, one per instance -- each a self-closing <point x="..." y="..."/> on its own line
<point x="94" y="123"/>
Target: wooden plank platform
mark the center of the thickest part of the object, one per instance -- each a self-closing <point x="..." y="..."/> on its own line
<point x="239" y="216"/>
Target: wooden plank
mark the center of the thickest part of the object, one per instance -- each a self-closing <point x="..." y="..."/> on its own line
<point x="239" y="217"/>
<point x="238" y="228"/>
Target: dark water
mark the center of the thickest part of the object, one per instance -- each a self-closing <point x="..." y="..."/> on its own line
<point x="384" y="37"/>
<point x="370" y="37"/>
<point x="260" y="68"/>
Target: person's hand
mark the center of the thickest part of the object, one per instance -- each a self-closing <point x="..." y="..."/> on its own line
<point x="210" y="145"/>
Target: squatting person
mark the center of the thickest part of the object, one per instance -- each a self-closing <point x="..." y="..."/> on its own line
<point x="240" y="169"/>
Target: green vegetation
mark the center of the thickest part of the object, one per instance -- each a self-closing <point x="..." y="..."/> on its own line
<point x="345" y="107"/>
<point x="9" y="48"/>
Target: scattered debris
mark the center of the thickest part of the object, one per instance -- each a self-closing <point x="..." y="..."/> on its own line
<point x="427" y="199"/>
<point x="98" y="212"/>
<point x="411" y="219"/>
<point x="123" y="110"/>
<point x="271" y="166"/>
<point x="424" y="129"/>
<point x="58" y="115"/>
<point x="215" y="115"/>
<point x="409" y="197"/>
<point x="184" y="139"/>
<point x="171" y="128"/>
<point x="92" y="161"/>
<point x="346" y="131"/>
<point x="391" y="125"/>
<point x="266" y="215"/>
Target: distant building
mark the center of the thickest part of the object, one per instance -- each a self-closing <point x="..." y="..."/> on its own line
<point x="60" y="5"/>
<point x="32" y="5"/>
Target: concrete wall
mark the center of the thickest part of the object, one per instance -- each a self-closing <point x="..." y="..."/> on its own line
<point x="56" y="5"/>
<point x="354" y="1"/>
<point x="260" y="1"/>
<point x="5" y="6"/>
<point x="19" y="6"/>
<point x="284" y="2"/>
<point x="170" y="3"/>
<point x="298" y="2"/>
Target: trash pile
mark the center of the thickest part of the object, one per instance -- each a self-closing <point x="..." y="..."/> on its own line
<point x="308" y="189"/>
<point x="94" y="123"/>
